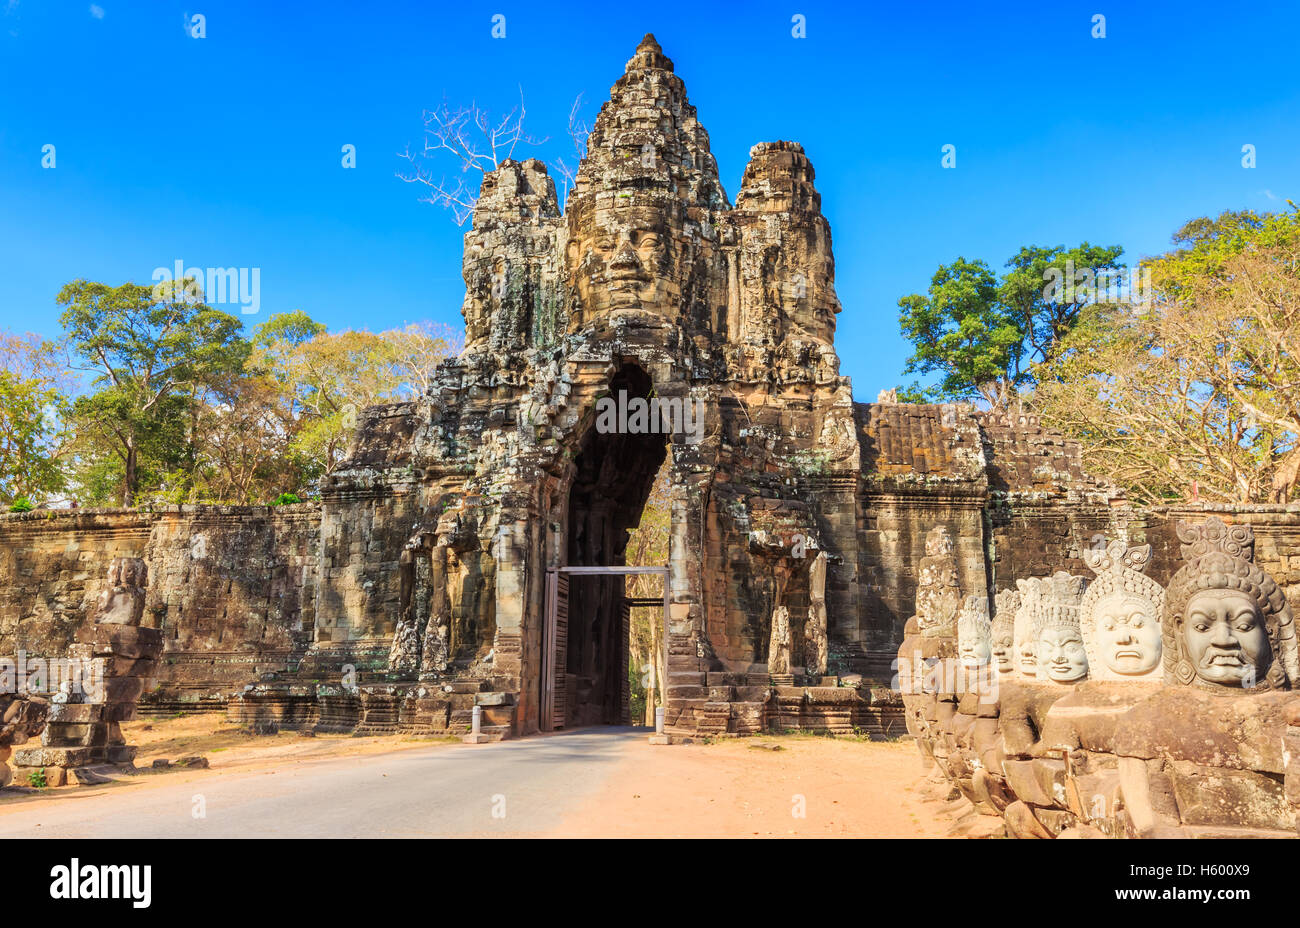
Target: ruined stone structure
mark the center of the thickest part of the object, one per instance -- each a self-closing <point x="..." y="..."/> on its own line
<point x="424" y="581"/>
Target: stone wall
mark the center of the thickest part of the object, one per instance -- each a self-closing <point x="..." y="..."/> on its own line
<point x="922" y="465"/>
<point x="232" y="589"/>
<point x="53" y="565"/>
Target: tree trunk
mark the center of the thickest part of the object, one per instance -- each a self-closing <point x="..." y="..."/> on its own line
<point x="131" y="479"/>
<point x="1284" y="478"/>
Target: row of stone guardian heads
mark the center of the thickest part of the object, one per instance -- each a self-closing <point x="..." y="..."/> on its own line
<point x="1223" y="624"/>
<point x="1110" y="705"/>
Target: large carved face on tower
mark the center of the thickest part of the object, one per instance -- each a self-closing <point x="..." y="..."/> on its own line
<point x="623" y="254"/>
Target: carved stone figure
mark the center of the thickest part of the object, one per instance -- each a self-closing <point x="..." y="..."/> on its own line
<point x="404" y="655"/>
<point x="1227" y="625"/>
<point x="1120" y="615"/>
<point x="1061" y="657"/>
<point x="1002" y="635"/>
<point x="815" y="634"/>
<point x="974" y="632"/>
<point x="122" y="601"/>
<point x="778" y="660"/>
<point x="938" y="597"/>
<point x="437" y="632"/>
<point x="1055" y="754"/>
<point x="1026" y="623"/>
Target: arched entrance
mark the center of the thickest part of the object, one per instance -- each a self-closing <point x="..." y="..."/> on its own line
<point x="586" y="638"/>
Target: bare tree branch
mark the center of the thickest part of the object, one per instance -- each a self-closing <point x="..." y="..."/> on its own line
<point x="472" y="139"/>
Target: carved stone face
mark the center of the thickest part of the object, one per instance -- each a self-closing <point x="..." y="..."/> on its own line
<point x="974" y="650"/>
<point x="1128" y="634"/>
<point x="624" y="257"/>
<point x="1061" y="656"/>
<point x="1028" y="658"/>
<point x="1225" y="638"/>
<point x="1003" y="652"/>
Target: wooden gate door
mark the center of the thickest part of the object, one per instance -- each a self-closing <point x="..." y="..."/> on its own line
<point x="625" y="610"/>
<point x="555" y="652"/>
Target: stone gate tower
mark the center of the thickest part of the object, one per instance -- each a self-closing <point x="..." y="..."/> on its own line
<point x="438" y="531"/>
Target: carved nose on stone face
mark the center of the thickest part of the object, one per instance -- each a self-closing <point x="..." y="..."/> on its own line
<point x="625" y="263"/>
<point x="1221" y="635"/>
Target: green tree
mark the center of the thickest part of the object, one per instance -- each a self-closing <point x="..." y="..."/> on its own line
<point x="1199" y="391"/>
<point x="326" y="378"/>
<point x="152" y="352"/>
<point x="33" y="407"/>
<point x="983" y="336"/>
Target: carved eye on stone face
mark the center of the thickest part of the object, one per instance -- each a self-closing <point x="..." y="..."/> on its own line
<point x="649" y="246"/>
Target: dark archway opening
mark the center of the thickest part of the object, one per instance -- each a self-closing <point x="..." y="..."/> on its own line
<point x="615" y="472"/>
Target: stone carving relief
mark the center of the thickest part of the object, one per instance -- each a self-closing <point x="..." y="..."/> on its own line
<point x="1227" y="624"/>
<point x="938" y="596"/>
<point x="122" y="600"/>
<point x="1068" y="746"/>
<point x="1120" y="615"/>
<point x="1060" y="654"/>
<point x="974" y="632"/>
<point x="1002" y="635"/>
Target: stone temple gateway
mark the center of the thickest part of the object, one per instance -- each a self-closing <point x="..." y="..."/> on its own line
<point x="438" y="533"/>
<point x="426" y="578"/>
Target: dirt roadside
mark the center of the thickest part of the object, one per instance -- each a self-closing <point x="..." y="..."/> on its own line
<point x="789" y="786"/>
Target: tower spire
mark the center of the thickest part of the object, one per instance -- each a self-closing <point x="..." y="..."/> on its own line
<point x="649" y="55"/>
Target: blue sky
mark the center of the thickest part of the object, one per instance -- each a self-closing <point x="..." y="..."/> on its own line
<point x="226" y="150"/>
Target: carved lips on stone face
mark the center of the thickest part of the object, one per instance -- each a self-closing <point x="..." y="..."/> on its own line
<point x="1128" y="634"/>
<point x="1225" y="638"/>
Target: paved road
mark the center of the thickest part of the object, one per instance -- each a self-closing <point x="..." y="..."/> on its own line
<point x="436" y="791"/>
